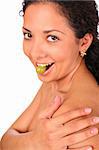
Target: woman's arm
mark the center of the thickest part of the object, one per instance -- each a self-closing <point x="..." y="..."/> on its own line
<point x="17" y="135"/>
<point x="49" y="132"/>
<point x="13" y="140"/>
<point x="22" y="123"/>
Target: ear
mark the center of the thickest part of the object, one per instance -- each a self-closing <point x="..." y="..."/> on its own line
<point x="85" y="42"/>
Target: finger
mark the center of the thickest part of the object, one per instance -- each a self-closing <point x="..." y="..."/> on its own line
<point x="70" y="115"/>
<point x="82" y="148"/>
<point x="76" y="125"/>
<point x="79" y="136"/>
<point x="48" y="113"/>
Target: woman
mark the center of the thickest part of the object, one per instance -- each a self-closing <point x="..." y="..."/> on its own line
<point x="60" y="39"/>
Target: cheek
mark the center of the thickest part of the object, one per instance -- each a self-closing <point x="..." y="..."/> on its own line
<point x="26" y="48"/>
<point x="63" y="53"/>
<point x="57" y="52"/>
<point x="69" y="51"/>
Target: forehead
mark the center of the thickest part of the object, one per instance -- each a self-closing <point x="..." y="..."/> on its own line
<point x="41" y="14"/>
<point x="42" y="8"/>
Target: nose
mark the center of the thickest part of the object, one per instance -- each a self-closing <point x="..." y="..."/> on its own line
<point x="37" y="50"/>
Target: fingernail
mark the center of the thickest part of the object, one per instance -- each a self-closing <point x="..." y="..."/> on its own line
<point x="96" y="119"/>
<point x="88" y="110"/>
<point x="89" y="148"/>
<point x="94" y="131"/>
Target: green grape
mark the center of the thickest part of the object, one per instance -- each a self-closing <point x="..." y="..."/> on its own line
<point x="40" y="69"/>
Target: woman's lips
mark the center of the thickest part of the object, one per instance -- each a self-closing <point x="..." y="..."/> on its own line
<point x="49" y="70"/>
<point x="43" y="68"/>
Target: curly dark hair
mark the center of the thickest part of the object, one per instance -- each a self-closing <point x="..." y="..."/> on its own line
<point x="83" y="18"/>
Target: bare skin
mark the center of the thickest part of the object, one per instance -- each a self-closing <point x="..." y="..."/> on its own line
<point x="68" y="79"/>
<point x="82" y="96"/>
<point x="28" y="123"/>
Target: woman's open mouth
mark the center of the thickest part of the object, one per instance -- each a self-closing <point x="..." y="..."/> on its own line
<point x="43" y="68"/>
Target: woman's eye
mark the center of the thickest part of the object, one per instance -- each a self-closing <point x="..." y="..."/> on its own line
<point x="52" y="38"/>
<point x="27" y="36"/>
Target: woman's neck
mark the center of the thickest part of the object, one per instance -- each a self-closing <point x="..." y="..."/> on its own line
<point x="65" y="86"/>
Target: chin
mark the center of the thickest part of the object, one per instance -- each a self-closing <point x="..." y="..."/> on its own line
<point x="46" y="79"/>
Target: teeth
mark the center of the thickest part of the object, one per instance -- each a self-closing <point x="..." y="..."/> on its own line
<point x="43" y="65"/>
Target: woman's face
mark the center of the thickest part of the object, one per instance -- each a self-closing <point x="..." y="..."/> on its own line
<point x="48" y="38"/>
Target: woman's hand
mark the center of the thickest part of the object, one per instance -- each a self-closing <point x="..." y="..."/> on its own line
<point x="63" y="131"/>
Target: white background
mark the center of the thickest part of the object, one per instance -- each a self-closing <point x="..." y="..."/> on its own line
<point x="18" y="80"/>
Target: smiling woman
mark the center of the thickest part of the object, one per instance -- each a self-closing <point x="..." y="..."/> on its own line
<point x="45" y="44"/>
<point x="61" y="41"/>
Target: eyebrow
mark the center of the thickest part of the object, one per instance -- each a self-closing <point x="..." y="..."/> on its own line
<point x="46" y="31"/>
<point x="52" y="30"/>
<point x="26" y="29"/>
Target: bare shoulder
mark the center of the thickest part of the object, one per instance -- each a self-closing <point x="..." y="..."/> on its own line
<point x="22" y="123"/>
<point x="88" y="98"/>
<point x="94" y="103"/>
